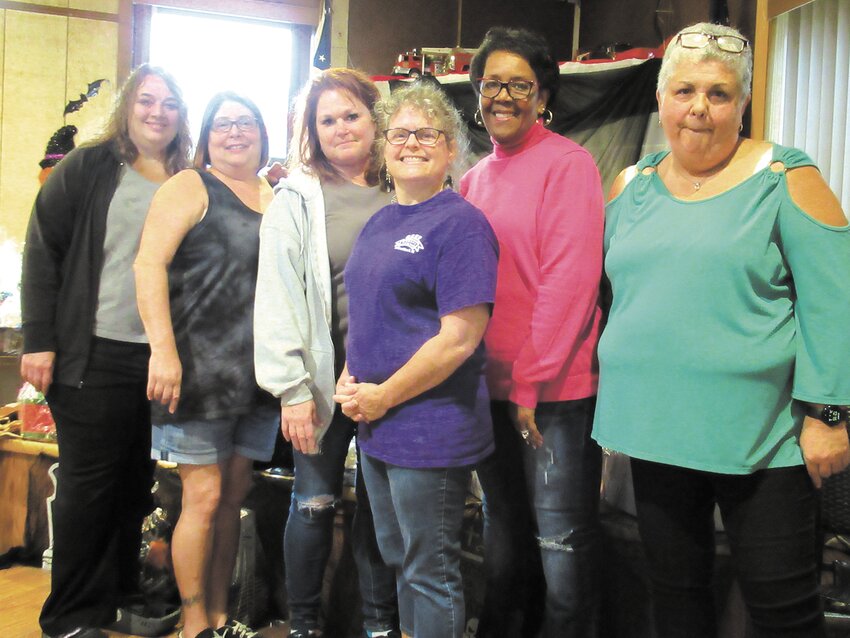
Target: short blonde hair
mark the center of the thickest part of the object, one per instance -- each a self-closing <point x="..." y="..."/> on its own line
<point x="430" y="100"/>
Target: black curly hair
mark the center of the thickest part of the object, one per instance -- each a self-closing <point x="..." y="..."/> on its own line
<point x="528" y="45"/>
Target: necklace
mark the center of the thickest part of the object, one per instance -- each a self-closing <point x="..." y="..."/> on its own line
<point x="697" y="184"/>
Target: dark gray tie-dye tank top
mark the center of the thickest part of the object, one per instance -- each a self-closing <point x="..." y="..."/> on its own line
<point x="211" y="286"/>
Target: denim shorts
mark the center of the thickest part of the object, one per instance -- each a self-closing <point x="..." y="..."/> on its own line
<point x="205" y="442"/>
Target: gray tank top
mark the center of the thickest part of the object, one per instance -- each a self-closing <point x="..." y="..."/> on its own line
<point x="117" y="315"/>
<point x="211" y="285"/>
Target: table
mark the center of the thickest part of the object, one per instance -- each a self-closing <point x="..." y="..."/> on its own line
<point x="24" y="486"/>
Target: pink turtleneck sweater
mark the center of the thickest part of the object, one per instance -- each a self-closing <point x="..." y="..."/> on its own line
<point x="544" y="200"/>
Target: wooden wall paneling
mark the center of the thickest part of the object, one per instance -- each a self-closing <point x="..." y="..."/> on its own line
<point x="92" y="55"/>
<point x="553" y="20"/>
<point x="141" y="34"/>
<point x="633" y="21"/>
<point x="46" y="3"/>
<point x="33" y="101"/>
<point x="104" y="6"/>
<point x="761" y="51"/>
<point x="339" y="33"/>
<point x="374" y="44"/>
<point x="125" y="40"/>
<point x="2" y="51"/>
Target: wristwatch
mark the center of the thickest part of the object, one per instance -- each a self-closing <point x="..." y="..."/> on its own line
<point x="832" y="415"/>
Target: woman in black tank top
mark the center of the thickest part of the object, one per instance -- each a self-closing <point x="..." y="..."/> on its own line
<point x="196" y="274"/>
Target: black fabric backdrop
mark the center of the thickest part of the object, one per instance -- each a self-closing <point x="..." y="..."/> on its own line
<point x="604" y="107"/>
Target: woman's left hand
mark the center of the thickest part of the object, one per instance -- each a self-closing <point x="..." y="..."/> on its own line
<point x="523" y="419"/>
<point x="826" y="449"/>
<point x="362" y="401"/>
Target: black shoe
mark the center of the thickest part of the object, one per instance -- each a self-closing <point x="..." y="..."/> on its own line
<point x="392" y="633"/>
<point x="305" y="633"/>
<point x="236" y="629"/>
<point x="134" y="621"/>
<point x="79" y="632"/>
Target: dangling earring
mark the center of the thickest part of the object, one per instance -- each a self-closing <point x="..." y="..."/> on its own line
<point x="387" y="178"/>
<point x="547" y="116"/>
<point x="478" y="119"/>
<point x="449" y="183"/>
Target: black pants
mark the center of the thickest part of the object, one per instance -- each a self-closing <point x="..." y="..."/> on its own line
<point x="103" y="493"/>
<point x="770" y="520"/>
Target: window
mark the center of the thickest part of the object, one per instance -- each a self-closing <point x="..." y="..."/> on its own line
<point x="208" y="53"/>
<point x="808" y="96"/>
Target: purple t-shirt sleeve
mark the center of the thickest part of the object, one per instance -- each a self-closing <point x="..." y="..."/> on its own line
<point x="465" y="272"/>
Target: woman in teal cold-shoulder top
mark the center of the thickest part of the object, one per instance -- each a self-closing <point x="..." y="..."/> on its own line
<point x="723" y="368"/>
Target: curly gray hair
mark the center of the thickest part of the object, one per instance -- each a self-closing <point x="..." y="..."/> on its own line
<point x="741" y="64"/>
<point x="432" y="102"/>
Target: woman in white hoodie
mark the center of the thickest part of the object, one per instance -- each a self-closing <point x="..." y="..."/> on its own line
<point x="301" y="322"/>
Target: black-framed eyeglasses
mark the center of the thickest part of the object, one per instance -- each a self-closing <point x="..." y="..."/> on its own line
<point x="243" y="123"/>
<point x="425" y="136"/>
<point x="698" y="40"/>
<point x="517" y="89"/>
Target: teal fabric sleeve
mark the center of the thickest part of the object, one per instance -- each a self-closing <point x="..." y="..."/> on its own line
<point x="819" y="259"/>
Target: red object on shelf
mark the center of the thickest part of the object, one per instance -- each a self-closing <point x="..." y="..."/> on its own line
<point x="36" y="421"/>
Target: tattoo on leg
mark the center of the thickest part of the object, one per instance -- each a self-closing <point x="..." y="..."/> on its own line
<point x="192" y="600"/>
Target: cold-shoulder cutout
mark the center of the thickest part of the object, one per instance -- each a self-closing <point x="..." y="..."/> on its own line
<point x="621" y="181"/>
<point x="810" y="192"/>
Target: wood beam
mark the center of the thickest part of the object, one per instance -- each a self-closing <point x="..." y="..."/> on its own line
<point x="295" y="11"/>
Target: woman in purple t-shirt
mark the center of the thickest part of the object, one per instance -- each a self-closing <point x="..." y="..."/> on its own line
<point x="421" y="281"/>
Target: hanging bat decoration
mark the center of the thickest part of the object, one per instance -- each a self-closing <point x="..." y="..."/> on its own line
<point x="75" y="105"/>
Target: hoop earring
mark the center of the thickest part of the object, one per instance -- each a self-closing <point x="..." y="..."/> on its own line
<point x="547" y="117"/>
<point x="478" y="119"/>
<point x="741" y="127"/>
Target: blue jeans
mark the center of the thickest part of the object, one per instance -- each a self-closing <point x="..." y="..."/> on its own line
<point x="770" y="520"/>
<point x="564" y="477"/>
<point x="555" y="496"/>
<point x="309" y="536"/>
<point x="418" y="520"/>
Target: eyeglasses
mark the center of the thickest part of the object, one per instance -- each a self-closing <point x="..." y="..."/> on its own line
<point x="698" y="40"/>
<point x="517" y="89"/>
<point x="224" y="124"/>
<point x="425" y="136"/>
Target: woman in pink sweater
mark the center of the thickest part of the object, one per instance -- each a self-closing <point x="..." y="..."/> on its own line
<point x="542" y="194"/>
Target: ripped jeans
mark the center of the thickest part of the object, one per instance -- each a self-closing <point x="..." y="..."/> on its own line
<point x="563" y="477"/>
<point x="561" y="480"/>
<point x="309" y="536"/>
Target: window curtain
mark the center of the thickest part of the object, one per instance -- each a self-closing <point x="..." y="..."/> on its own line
<point x="808" y="88"/>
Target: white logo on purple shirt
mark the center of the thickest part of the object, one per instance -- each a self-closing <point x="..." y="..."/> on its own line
<point x="410" y="244"/>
